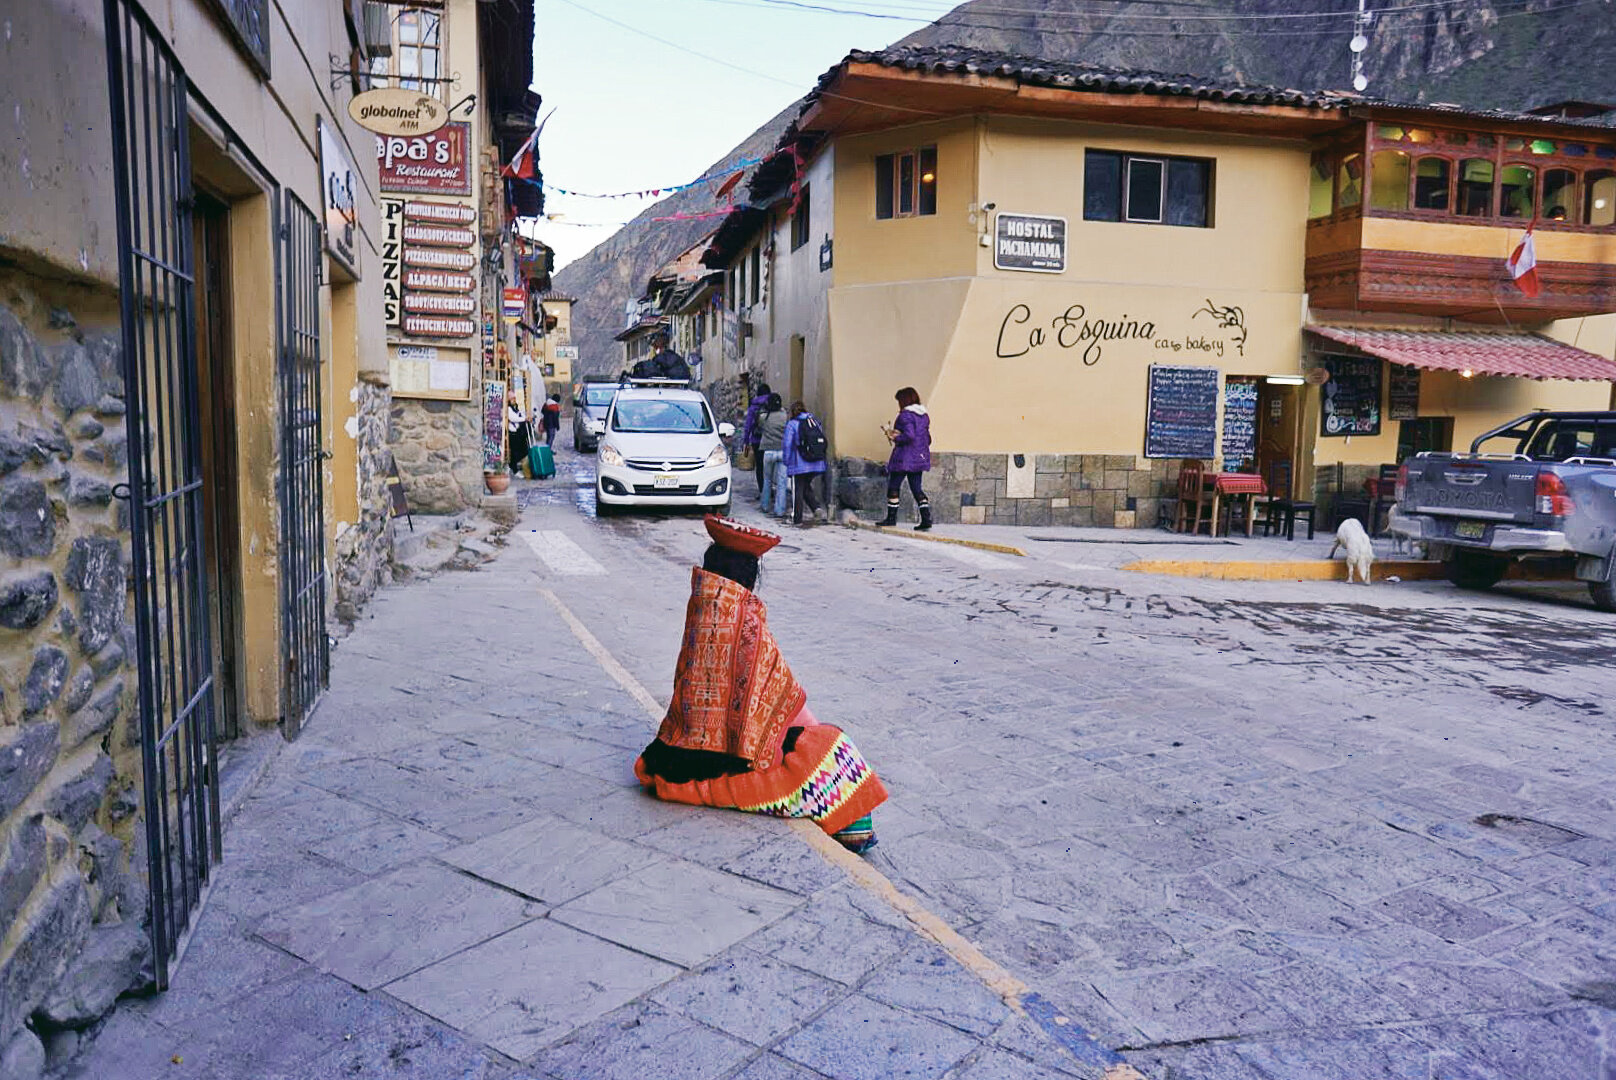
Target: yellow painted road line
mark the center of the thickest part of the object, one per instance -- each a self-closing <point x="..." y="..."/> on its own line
<point x="910" y="534"/>
<point x="1285" y="570"/>
<point x="1011" y="990"/>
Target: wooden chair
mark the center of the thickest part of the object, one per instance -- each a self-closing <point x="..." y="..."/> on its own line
<point x="1283" y="510"/>
<point x="1194" y="505"/>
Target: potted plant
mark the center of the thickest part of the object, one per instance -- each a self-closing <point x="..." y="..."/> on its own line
<point x="497" y="482"/>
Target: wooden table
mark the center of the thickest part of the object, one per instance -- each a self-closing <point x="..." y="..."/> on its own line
<point x="1235" y="484"/>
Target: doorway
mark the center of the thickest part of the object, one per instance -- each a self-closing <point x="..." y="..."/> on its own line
<point x="1279" y="413"/>
<point x="216" y="391"/>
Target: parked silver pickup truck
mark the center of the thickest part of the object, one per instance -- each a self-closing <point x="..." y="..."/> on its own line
<point x="1540" y="487"/>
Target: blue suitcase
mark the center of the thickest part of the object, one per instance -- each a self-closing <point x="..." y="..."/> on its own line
<point x="541" y="460"/>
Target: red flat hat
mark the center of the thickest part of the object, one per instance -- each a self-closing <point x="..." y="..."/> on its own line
<point x="727" y="532"/>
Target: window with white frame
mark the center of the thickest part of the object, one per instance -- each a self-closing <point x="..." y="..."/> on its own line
<point x="417" y="60"/>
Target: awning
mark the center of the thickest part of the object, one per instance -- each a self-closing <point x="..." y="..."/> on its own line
<point x="1528" y="356"/>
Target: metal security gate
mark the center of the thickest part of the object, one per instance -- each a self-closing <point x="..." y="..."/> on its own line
<point x="306" y="652"/>
<point x="152" y="177"/>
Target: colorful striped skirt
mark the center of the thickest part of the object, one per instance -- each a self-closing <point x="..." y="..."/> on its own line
<point x="822" y="777"/>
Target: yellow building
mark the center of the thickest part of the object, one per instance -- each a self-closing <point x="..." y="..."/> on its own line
<point x="1090" y="276"/>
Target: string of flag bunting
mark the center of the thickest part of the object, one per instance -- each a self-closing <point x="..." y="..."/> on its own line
<point x="651" y="193"/>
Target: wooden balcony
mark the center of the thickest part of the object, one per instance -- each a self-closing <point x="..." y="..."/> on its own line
<point x="1456" y="270"/>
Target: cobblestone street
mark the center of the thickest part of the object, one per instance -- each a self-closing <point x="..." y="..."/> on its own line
<point x="1225" y="830"/>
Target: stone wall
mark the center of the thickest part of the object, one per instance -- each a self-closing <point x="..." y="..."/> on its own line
<point x="71" y="910"/>
<point x="364" y="549"/>
<point x="1108" y="490"/>
<point x="439" y="448"/>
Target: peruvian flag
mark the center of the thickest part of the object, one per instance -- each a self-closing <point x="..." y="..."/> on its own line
<point x="523" y="166"/>
<point x="1523" y="265"/>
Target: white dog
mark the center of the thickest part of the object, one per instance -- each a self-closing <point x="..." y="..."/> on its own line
<point x="1351" y="538"/>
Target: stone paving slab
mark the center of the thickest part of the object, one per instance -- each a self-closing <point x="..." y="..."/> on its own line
<point x="861" y="1038"/>
<point x="550" y="859"/>
<point x="528" y="988"/>
<point x="397" y="923"/>
<point x="682" y="913"/>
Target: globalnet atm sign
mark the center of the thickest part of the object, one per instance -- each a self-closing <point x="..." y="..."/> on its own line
<point x="1029" y="242"/>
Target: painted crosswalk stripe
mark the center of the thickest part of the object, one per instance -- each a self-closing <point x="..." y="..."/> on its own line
<point x="561" y="554"/>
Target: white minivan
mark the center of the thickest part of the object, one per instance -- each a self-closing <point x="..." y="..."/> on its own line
<point x="661" y="447"/>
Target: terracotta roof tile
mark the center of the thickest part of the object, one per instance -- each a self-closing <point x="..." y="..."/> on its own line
<point x="1530" y="356"/>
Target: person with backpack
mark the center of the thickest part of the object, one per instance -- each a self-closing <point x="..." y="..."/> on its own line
<point x="804" y="451"/>
<point x="749" y="431"/>
<point x="550" y="419"/>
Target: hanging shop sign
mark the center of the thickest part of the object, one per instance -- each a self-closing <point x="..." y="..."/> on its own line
<point x="392" y="258"/>
<point x="566" y="352"/>
<point x="439" y="303"/>
<point x="513" y="301"/>
<point x="443" y="213"/>
<point x="437" y="163"/>
<point x="438" y="258"/>
<point x="438" y="236"/>
<point x="394" y="110"/>
<point x="1029" y="242"/>
<point x="438" y="281"/>
<point x="338" y="183"/>
<point x="438" y="326"/>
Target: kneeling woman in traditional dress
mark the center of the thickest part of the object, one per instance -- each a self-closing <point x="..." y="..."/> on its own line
<point x="738" y="733"/>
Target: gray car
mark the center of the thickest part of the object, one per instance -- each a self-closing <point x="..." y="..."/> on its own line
<point x="589" y="410"/>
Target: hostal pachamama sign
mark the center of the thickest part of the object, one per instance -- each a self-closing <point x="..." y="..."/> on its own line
<point x="436" y="163"/>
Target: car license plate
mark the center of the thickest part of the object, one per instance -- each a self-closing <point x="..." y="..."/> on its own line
<point x="666" y="480"/>
<point x="1470" y="530"/>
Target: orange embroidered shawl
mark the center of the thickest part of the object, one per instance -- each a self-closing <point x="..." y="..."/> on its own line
<point x="732" y="690"/>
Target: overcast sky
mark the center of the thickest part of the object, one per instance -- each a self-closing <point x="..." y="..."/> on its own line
<point x="637" y="108"/>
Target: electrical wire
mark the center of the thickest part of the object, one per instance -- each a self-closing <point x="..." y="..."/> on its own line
<point x="1131" y="16"/>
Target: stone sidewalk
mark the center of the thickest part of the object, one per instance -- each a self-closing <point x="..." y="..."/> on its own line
<point x="453" y="874"/>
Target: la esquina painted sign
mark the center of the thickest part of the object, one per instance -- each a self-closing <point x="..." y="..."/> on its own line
<point x="1020" y="334"/>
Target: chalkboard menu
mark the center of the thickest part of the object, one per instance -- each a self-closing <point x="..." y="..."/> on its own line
<point x="1403" y="392"/>
<point x="1182" y="420"/>
<point x="1351" y="403"/>
<point x="1239" y="422"/>
<point x="494" y="426"/>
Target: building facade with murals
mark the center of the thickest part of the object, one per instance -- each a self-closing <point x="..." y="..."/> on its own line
<point x="460" y="278"/>
<point x="1091" y="276"/>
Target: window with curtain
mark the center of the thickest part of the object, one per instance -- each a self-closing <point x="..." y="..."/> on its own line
<point x="1599" y="197"/>
<point x="1388" y="187"/>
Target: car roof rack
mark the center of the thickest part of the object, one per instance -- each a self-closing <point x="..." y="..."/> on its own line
<point x="652" y="384"/>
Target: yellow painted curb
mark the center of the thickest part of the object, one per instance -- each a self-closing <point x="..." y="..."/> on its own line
<point x="1326" y="570"/>
<point x="910" y="534"/>
<point x="1293" y="570"/>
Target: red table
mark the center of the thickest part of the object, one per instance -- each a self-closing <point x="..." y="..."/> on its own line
<point x="1249" y="485"/>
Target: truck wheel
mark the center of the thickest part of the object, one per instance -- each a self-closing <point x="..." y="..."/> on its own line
<point x="1604" y="594"/>
<point x="1474" y="570"/>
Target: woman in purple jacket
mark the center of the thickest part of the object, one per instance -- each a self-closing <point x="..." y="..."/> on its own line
<point x="910" y="436"/>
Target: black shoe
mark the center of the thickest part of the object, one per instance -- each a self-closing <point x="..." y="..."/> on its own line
<point x="891" y="518"/>
<point x="925" y="518"/>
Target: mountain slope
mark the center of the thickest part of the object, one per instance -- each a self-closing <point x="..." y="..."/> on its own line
<point x="1483" y="53"/>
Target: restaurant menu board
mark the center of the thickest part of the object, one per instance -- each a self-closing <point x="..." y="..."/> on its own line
<point x="494" y="426"/>
<point x="1182" y="419"/>
<point x="1239" y="422"/>
<point x="425" y="371"/>
<point x="1351" y="400"/>
<point x="1403" y="392"/>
